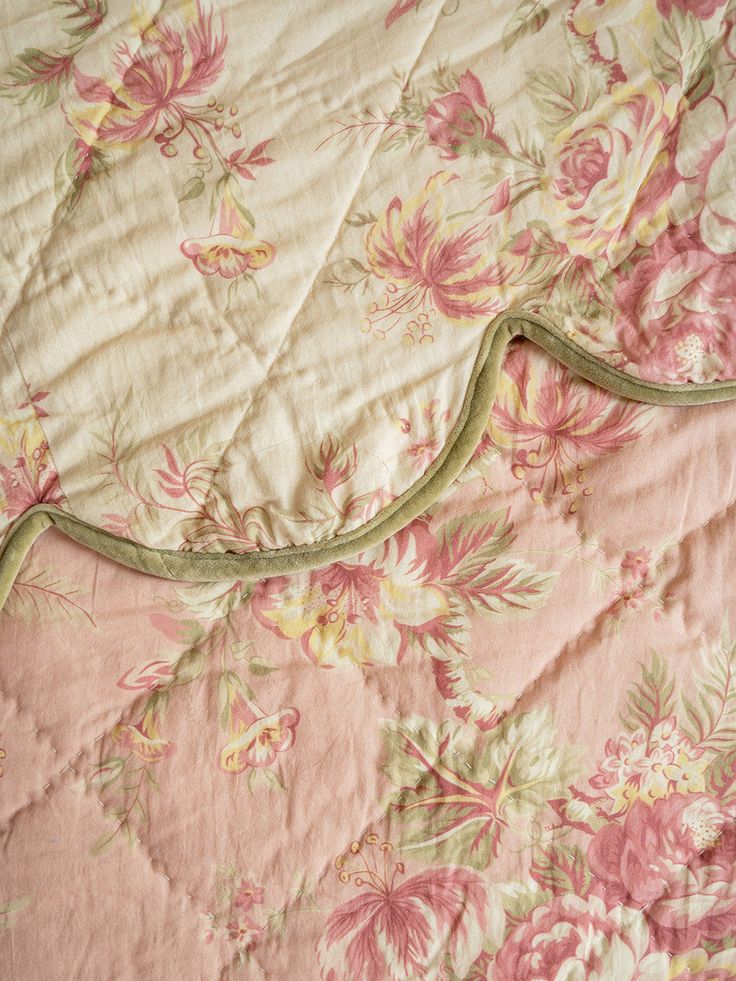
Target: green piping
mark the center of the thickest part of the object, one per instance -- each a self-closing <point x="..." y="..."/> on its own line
<point x="462" y="441"/>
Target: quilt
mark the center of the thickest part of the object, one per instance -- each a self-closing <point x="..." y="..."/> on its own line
<point x="366" y="490"/>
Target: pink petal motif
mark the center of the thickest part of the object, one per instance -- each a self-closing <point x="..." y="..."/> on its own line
<point x="248" y="895"/>
<point x="155" y="674"/>
<point x="177" y="59"/>
<point x="400" y="8"/>
<point x="556" y="424"/>
<point x="468" y="704"/>
<point x="226" y="256"/>
<point x="676" y="309"/>
<point x="32" y="479"/>
<point x="500" y="197"/>
<point x="142" y="738"/>
<point x="699" y="8"/>
<point x="93" y="89"/>
<point x="168" y="626"/>
<point x="575" y="937"/>
<point x="429" y="262"/>
<point x="471" y="87"/>
<point x="256" y="739"/>
<point x="393" y="931"/>
<point x="675" y="859"/>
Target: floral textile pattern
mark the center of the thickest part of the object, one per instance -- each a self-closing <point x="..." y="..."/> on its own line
<point x="555" y="425"/>
<point x="428" y="265"/>
<point x="627" y="153"/>
<point x="239" y="913"/>
<point x="398" y="927"/>
<point x="32" y="477"/>
<point x="254" y="737"/>
<point x="417" y="592"/>
<point x="151" y="94"/>
<point x="185" y="488"/>
<point x="203" y="627"/>
<point x="616" y="881"/>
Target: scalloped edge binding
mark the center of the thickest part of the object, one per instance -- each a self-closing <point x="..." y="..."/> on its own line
<point x="454" y="456"/>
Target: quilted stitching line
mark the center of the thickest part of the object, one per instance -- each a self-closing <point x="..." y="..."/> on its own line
<point x="38" y="421"/>
<point x="46" y="239"/>
<point x="157" y="867"/>
<point x="590" y="628"/>
<point x="283" y="344"/>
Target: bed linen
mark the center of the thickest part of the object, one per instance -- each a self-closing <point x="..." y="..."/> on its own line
<point x="366" y="490"/>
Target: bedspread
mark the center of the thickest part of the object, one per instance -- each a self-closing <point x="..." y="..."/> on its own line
<point x="366" y="490"/>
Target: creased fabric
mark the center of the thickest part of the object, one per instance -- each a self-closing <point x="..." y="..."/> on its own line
<point x="497" y="746"/>
<point x="396" y="344"/>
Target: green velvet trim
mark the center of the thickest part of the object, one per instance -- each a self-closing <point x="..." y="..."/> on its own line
<point x="457" y="451"/>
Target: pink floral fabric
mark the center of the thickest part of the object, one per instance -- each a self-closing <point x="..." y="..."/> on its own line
<point x="297" y="261"/>
<point x="499" y="746"/>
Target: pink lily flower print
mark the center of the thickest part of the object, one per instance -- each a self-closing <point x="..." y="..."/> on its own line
<point x="555" y="425"/>
<point x="32" y="479"/>
<point x="178" y="59"/>
<point x="429" y="265"/>
<point x="402" y="930"/>
<point x="29" y="482"/>
<point x="157" y="90"/>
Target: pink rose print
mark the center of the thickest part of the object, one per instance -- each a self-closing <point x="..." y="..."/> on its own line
<point x="674" y="859"/>
<point x="572" y="937"/>
<point x="600" y="168"/>
<point x="230" y="249"/>
<point x="676" y="308"/>
<point x="582" y="165"/>
<point x="395" y="929"/>
<point x="704" y="162"/>
<point x="460" y="122"/>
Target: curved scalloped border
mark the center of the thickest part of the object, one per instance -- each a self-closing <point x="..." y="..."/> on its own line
<point x="455" y="454"/>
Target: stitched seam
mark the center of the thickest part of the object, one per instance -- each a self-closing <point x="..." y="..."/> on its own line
<point x="46" y="238"/>
<point x="588" y="629"/>
<point x="232" y="565"/>
<point x="283" y="344"/>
